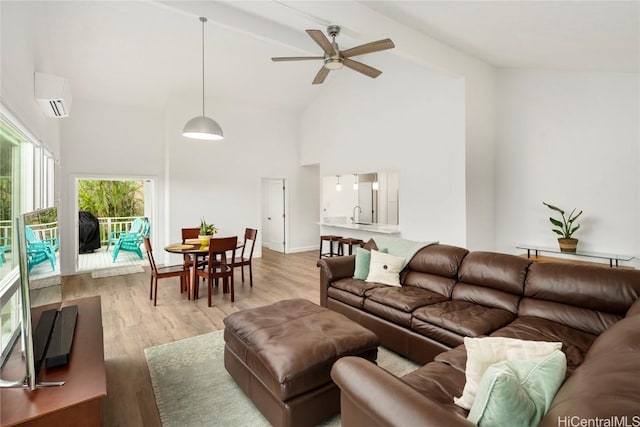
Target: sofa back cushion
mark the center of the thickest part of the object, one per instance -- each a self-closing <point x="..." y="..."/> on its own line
<point x="588" y="298"/>
<point x="491" y="279"/>
<point x="435" y="267"/>
<point x="605" y="385"/>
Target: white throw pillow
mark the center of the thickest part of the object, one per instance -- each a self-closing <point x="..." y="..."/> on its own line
<point x="385" y="268"/>
<point x="484" y="352"/>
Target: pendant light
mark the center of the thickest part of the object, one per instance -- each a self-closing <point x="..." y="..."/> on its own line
<point x="203" y="127"/>
<point x="355" y="181"/>
<point x="338" y="185"/>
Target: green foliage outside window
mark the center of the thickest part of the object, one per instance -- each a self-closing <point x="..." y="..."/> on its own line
<point x="111" y="198"/>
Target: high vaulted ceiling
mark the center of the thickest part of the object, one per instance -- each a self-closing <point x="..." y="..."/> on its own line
<point x="142" y="52"/>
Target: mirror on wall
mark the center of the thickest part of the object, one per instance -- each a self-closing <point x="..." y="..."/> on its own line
<point x="365" y="198"/>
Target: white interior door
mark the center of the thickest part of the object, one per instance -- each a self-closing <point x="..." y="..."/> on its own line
<point x="274" y="215"/>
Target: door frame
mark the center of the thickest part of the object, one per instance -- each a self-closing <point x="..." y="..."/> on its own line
<point x="265" y="188"/>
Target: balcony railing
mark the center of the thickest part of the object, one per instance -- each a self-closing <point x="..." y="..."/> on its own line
<point x="107" y="225"/>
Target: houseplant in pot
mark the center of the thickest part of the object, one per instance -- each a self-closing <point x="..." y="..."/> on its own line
<point x="565" y="228"/>
<point x="207" y="231"/>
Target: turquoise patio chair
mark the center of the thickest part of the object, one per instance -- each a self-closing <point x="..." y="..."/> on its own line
<point x="136" y="227"/>
<point x="40" y="250"/>
<point x="5" y="246"/>
<point x="131" y="241"/>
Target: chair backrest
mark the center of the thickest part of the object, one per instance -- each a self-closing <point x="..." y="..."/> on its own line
<point x="250" y="234"/>
<point x="221" y="246"/>
<point x="31" y="235"/>
<point x="145" y="230"/>
<point x="190" y="233"/>
<point x="136" y="226"/>
<point x="149" y="249"/>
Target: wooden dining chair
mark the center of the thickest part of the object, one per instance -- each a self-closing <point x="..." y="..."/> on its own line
<point x="188" y="233"/>
<point x="219" y="268"/>
<point x="163" y="272"/>
<point x="250" y="235"/>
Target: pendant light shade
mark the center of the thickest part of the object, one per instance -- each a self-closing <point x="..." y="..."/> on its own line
<point x="202" y="127"/>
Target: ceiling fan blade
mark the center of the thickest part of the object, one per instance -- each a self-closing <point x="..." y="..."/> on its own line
<point x="376" y="46"/>
<point x="322" y="74"/>
<point x="361" y="68"/>
<point x="295" y="58"/>
<point x="322" y="40"/>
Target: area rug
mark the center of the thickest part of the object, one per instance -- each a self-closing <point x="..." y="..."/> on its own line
<point x="116" y="271"/>
<point x="193" y="388"/>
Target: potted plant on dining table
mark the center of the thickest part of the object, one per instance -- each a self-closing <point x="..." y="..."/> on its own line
<point x="207" y="231"/>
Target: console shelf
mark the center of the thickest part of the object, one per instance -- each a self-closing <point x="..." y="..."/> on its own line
<point x="533" y="251"/>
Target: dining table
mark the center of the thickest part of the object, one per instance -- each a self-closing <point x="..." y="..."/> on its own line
<point x="194" y="249"/>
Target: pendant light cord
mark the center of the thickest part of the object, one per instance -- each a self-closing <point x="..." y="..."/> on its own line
<point x="203" y="20"/>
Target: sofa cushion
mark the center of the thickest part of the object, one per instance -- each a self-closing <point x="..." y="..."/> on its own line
<point x="483" y="352"/>
<point x="393" y="315"/>
<point x="405" y="298"/>
<point x="437" y="333"/>
<point x="575" y="343"/>
<point x="440" y="382"/>
<point x="363" y="262"/>
<point x="494" y="270"/>
<point x="346" y="297"/>
<point x="518" y="392"/>
<point x="435" y="267"/>
<point x="588" y="298"/>
<point x="355" y="286"/>
<point x="606" y="384"/>
<point x="491" y="279"/>
<point x="385" y="268"/>
<point x="439" y="260"/>
<point x="464" y="318"/>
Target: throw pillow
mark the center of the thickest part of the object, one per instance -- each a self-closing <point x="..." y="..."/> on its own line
<point x="363" y="261"/>
<point x="518" y="392"/>
<point x="385" y="268"/>
<point x="484" y="352"/>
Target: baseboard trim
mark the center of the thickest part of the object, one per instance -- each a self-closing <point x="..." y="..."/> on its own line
<point x="302" y="249"/>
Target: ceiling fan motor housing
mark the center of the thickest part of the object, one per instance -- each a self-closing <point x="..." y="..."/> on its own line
<point x="333" y="30"/>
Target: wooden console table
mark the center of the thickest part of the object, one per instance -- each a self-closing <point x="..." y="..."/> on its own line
<point x="77" y="403"/>
<point x="533" y="252"/>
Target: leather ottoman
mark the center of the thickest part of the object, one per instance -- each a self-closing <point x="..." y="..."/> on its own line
<point x="281" y="356"/>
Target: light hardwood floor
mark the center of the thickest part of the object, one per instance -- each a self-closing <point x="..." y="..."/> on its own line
<point x="131" y="323"/>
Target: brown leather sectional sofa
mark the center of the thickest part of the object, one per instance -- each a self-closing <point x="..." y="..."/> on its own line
<point x="448" y="293"/>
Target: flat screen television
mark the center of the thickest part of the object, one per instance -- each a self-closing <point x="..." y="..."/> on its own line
<point x="44" y="339"/>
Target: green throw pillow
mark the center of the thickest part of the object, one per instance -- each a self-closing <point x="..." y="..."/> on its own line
<point x="518" y="392"/>
<point x="363" y="261"/>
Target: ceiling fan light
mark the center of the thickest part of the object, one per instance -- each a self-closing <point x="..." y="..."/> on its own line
<point x="333" y="64"/>
<point x="203" y="127"/>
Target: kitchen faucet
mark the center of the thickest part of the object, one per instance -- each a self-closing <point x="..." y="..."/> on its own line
<point x="353" y="218"/>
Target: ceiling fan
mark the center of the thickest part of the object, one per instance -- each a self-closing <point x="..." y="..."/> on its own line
<point x="334" y="58"/>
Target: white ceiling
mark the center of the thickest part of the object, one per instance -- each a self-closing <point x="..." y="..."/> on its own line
<point x="141" y="52"/>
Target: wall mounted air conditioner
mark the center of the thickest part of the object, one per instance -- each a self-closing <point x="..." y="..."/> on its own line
<point x="53" y="95"/>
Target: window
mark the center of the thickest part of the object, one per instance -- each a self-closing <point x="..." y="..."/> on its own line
<point x="26" y="183"/>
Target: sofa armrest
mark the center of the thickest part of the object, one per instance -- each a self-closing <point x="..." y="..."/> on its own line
<point x="634" y="310"/>
<point x="371" y="395"/>
<point x="332" y="269"/>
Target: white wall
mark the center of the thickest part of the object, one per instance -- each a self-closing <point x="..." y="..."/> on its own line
<point x="24" y="52"/>
<point x="569" y="139"/>
<point x="110" y="141"/>
<point x="408" y="120"/>
<point x="221" y="180"/>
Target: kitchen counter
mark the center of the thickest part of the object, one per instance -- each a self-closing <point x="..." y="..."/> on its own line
<point x="371" y="228"/>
